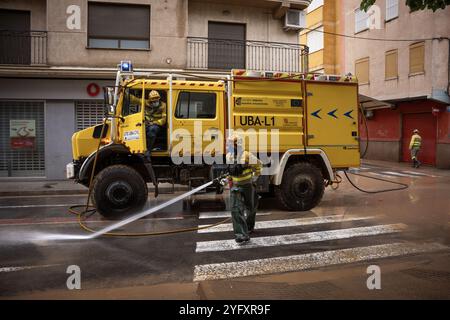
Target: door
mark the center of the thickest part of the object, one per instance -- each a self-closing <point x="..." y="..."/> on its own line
<point x="332" y="121"/>
<point x="131" y="126"/>
<point x="15" y="37"/>
<point x="198" y="122"/>
<point x="226" y="45"/>
<point x="426" y="124"/>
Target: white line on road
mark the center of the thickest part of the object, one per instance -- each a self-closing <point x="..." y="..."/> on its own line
<point x="76" y="221"/>
<point x="299" y="238"/>
<point x="288" y="223"/>
<point x="224" y="214"/>
<point x="398" y="174"/>
<point x="421" y="174"/>
<point x="13" y="269"/>
<point x="39" y="206"/>
<point x="309" y="260"/>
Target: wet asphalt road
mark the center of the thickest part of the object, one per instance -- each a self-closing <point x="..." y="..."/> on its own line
<point x="323" y="253"/>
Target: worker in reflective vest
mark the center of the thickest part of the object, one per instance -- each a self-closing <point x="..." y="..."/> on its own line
<point x="154" y="118"/>
<point x="414" y="146"/>
<point x="244" y="169"/>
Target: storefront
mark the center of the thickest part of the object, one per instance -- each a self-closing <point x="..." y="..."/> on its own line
<point x="37" y="120"/>
<point x="390" y="131"/>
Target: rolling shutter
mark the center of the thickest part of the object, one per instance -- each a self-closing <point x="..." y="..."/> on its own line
<point x="88" y="113"/>
<point x="22" y="162"/>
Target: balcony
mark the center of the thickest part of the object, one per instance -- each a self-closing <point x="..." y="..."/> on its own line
<point x="223" y="54"/>
<point x="23" y="47"/>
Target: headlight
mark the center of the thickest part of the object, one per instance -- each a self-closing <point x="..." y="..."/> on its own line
<point x="70" y="171"/>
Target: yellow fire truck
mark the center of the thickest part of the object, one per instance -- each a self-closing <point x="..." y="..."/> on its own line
<point x="311" y="119"/>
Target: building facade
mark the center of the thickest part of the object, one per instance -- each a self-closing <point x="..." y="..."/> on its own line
<point x="407" y="66"/>
<point x="323" y="22"/>
<point x="56" y="55"/>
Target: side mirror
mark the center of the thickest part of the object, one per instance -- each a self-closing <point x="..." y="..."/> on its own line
<point x="109" y="96"/>
<point x="109" y="100"/>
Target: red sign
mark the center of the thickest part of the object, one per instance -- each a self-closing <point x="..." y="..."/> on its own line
<point x="93" y="89"/>
<point x="22" y="142"/>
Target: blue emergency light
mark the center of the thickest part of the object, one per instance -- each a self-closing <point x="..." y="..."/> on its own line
<point x="126" y="66"/>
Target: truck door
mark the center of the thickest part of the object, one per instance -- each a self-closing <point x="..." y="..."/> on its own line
<point x="332" y="121"/>
<point x="199" y="116"/>
<point x="131" y="125"/>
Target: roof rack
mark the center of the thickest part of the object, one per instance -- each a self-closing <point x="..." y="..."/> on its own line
<point x="243" y="73"/>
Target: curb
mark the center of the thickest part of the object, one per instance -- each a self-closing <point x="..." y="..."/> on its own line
<point x="67" y="192"/>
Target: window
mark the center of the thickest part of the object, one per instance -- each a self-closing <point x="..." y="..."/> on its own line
<point x="417" y="58"/>
<point x="117" y="26"/>
<point x="361" y="20"/>
<point x="132" y="100"/>
<point x="362" y="70"/>
<point x="391" y="9"/>
<point x="391" y="63"/>
<point x="196" y="105"/>
<point x="314" y="40"/>
<point x="226" y="45"/>
<point x="314" y="5"/>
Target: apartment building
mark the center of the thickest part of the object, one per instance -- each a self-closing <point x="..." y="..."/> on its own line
<point x="56" y="55"/>
<point x="323" y="22"/>
<point x="408" y="68"/>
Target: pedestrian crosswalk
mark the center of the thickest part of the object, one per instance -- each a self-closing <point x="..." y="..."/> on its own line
<point x="287" y="237"/>
<point x="390" y="173"/>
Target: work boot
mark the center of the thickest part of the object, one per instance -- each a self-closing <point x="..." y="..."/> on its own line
<point x="242" y="239"/>
<point x="418" y="164"/>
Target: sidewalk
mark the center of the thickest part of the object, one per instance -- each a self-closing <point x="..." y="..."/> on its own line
<point x="68" y="187"/>
<point x="54" y="187"/>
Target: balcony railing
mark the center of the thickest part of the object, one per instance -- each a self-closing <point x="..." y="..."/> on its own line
<point x="23" y="47"/>
<point x="223" y="54"/>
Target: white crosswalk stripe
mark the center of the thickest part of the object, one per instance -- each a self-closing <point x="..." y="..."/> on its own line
<point x="398" y="174"/>
<point x="420" y="174"/>
<point x="299" y="238"/>
<point x="224" y="214"/>
<point x="309" y="260"/>
<point x="288" y="223"/>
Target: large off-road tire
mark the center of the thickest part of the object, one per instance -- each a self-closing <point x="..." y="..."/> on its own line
<point x="301" y="188"/>
<point x="118" y="190"/>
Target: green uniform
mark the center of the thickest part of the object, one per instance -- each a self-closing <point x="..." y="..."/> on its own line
<point x="243" y="196"/>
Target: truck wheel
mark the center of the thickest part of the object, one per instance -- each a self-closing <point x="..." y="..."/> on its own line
<point x="302" y="187"/>
<point x="118" y="190"/>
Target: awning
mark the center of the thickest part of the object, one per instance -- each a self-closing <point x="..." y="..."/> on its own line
<point x="369" y="103"/>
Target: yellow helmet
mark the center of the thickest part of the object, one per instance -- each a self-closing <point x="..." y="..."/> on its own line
<point x="154" y="95"/>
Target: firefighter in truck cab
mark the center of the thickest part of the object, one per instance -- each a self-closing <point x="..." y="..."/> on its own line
<point x="244" y="169"/>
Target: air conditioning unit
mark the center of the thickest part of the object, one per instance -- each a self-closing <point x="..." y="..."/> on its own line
<point x="294" y="20"/>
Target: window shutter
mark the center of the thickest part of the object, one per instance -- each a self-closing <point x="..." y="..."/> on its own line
<point x="362" y="70"/>
<point x="417" y="58"/>
<point x="116" y="21"/>
<point x="391" y="64"/>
